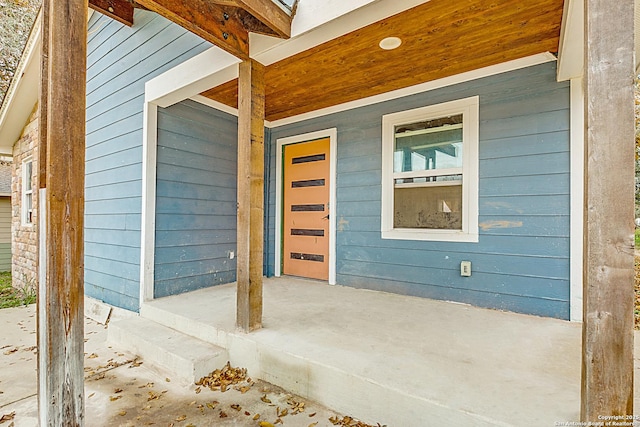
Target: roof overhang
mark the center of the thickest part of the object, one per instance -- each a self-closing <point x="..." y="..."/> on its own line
<point x="22" y="94"/>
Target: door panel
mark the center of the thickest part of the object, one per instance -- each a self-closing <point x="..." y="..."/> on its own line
<point x="305" y="239"/>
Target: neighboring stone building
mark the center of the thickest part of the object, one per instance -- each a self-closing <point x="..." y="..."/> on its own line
<point x="24" y="204"/>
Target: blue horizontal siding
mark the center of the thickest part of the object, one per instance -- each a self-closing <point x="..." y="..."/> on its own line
<point x="120" y="60"/>
<point x="521" y="262"/>
<point x="195" y="198"/>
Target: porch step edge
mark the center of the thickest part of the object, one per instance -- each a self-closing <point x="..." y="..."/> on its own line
<point x="184" y="358"/>
<point x="199" y="330"/>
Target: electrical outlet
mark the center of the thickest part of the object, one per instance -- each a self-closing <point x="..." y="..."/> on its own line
<point x="465" y="268"/>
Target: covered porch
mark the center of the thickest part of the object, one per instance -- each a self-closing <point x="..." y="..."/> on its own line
<point x="388" y="358"/>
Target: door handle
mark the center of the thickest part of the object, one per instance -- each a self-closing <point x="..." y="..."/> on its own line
<point x="325" y="217"/>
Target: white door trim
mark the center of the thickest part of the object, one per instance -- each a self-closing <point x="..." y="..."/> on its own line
<point x="332" y="134"/>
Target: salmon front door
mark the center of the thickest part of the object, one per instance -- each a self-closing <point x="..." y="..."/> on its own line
<point x="305" y="228"/>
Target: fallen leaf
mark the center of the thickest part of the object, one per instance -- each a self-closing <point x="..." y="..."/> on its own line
<point x="7" y="417"/>
<point x="223" y="414"/>
<point x="265" y="399"/>
<point x="181" y="418"/>
<point x="278" y="421"/>
<point x="117" y="390"/>
<point x="189" y="425"/>
<point x="244" y="389"/>
<point x="312" y="415"/>
<point x="247" y="413"/>
<point x="266" y="424"/>
<point x="91" y="395"/>
<point x="223" y="378"/>
<point x="167" y="380"/>
<point x="313" y="424"/>
<point x="122" y="413"/>
<point x="92" y="356"/>
<point x="236" y="407"/>
<point x="256" y="417"/>
<point x="114" y="398"/>
<point x="198" y="390"/>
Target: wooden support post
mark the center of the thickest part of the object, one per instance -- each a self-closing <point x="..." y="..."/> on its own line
<point x="61" y="307"/>
<point x="250" y="195"/>
<point x="607" y="331"/>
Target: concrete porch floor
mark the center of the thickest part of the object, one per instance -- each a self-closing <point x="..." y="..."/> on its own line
<point x="397" y="360"/>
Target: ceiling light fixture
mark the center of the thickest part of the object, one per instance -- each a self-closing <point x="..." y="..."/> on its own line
<point x="390" y="43"/>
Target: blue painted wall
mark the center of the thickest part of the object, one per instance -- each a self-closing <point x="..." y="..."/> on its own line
<point x="119" y="62"/>
<point x="196" y="198"/>
<point x="524" y="178"/>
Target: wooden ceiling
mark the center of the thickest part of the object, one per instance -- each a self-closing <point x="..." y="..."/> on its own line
<point x="440" y="38"/>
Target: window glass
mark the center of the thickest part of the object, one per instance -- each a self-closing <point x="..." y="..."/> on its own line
<point x="428" y="145"/>
<point x="430" y="172"/>
<point x="428" y="207"/>
<point x="27" y="192"/>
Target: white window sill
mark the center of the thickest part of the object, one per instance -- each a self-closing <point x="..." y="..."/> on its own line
<point x="430" y="235"/>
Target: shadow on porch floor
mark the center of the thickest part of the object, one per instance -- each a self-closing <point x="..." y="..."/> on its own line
<point x="399" y="360"/>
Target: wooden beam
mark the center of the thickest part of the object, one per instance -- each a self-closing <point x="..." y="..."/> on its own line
<point x="250" y="195"/>
<point x="607" y="330"/>
<point x="120" y="10"/>
<point x="269" y="14"/>
<point x="61" y="356"/>
<point x="216" y="24"/>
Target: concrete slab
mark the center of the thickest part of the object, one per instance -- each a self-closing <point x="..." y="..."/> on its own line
<point x="394" y="359"/>
<point x="121" y="390"/>
<point x="18" y="354"/>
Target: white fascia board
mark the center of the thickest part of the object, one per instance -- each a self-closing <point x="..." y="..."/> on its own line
<point x="318" y="21"/>
<point x="22" y="94"/>
<point x="571" y="49"/>
<point x="215" y="104"/>
<point x="211" y="68"/>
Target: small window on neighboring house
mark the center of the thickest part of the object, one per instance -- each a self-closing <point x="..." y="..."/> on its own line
<point x="27" y="192"/>
<point x="430" y="173"/>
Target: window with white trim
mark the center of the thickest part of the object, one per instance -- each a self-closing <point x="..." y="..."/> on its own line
<point x="430" y="172"/>
<point x="27" y="192"/>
